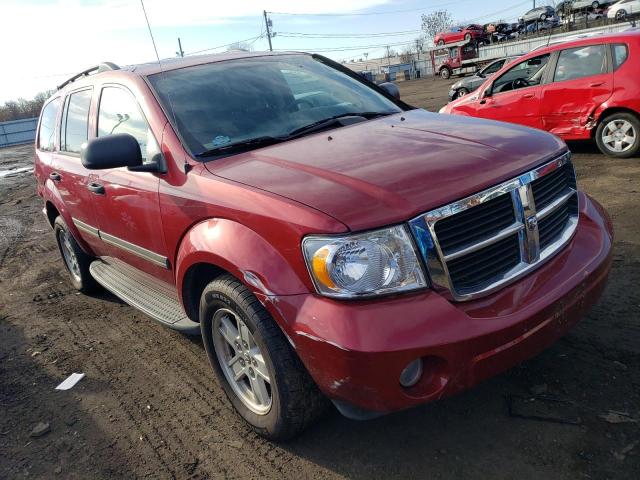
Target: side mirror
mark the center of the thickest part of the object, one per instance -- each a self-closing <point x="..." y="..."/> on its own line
<point x="112" y="151"/>
<point x="391" y="88"/>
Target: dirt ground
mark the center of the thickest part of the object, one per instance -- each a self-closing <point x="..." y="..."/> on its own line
<point x="150" y="407"/>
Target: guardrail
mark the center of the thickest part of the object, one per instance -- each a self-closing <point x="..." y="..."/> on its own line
<point x="17" y="132"/>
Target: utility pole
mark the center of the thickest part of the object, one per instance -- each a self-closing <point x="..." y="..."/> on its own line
<point x="268" y="24"/>
<point x="534" y="3"/>
<point x="389" y="57"/>
<point x="180" y="52"/>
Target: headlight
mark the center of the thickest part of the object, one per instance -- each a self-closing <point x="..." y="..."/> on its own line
<point x="365" y="264"/>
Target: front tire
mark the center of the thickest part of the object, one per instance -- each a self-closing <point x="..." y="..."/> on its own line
<point x="621" y="14"/>
<point x="257" y="368"/>
<point x="467" y="37"/>
<point x="445" y="73"/>
<point x="461" y="92"/>
<point x="618" y="135"/>
<point x="76" y="261"/>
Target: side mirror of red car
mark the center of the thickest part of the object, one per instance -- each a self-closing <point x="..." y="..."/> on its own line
<point x="118" y="150"/>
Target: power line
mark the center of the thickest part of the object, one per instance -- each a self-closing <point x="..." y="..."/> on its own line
<point x="342" y="49"/>
<point x="346" y="35"/>
<point x="225" y="45"/>
<point x="370" y="13"/>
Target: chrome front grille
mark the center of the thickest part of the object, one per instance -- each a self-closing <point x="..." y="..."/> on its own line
<point x="479" y="244"/>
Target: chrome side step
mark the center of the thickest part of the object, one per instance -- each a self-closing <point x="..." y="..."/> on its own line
<point x="144" y="292"/>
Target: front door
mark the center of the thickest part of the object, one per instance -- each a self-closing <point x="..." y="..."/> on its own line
<point x="515" y="95"/>
<point x="67" y="172"/>
<point x="128" y="206"/>
<point x="582" y="81"/>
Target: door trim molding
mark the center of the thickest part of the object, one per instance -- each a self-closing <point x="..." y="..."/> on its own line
<point x="118" y="242"/>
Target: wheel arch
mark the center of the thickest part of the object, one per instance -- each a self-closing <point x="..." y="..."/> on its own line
<point x="605" y="112"/>
<point x="217" y="246"/>
<point x="51" y="212"/>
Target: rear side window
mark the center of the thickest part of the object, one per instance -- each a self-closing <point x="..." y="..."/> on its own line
<point x="46" y="135"/>
<point x="620" y="55"/>
<point x="119" y="113"/>
<point x="75" y="123"/>
<point x="580" y="62"/>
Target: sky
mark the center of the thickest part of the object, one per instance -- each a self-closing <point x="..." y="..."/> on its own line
<point x="46" y="41"/>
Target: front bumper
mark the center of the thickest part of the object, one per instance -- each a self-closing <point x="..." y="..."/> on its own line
<point x="355" y="351"/>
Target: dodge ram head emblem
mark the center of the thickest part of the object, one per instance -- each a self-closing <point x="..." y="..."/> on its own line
<point x="532" y="222"/>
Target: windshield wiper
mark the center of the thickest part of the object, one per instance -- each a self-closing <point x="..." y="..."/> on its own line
<point x="327" y="122"/>
<point x="242" y="146"/>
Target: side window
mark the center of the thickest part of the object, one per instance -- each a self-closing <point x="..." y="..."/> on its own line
<point x="46" y="135"/>
<point x="580" y="62"/>
<point x="620" y="55"/>
<point x="528" y="73"/>
<point x="493" y="68"/>
<point x="119" y="113"/>
<point x="75" y="124"/>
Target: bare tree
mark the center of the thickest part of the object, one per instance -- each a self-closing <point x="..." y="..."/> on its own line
<point x="23" y="108"/>
<point x="244" y="46"/>
<point x="406" y="56"/>
<point x="435" y="22"/>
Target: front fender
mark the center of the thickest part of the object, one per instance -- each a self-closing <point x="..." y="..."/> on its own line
<point x="244" y="254"/>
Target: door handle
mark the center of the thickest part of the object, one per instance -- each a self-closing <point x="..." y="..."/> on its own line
<point x="528" y="95"/>
<point x="595" y="84"/>
<point x="96" y="188"/>
<point x="55" y="176"/>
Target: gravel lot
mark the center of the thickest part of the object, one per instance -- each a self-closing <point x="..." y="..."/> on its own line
<point x="150" y="407"/>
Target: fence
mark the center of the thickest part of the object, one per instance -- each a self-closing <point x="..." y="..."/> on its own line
<point x="17" y="132"/>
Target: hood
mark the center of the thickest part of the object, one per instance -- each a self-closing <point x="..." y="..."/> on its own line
<point x="391" y="169"/>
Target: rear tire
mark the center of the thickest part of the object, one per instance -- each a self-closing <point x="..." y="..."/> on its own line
<point x="618" y="135"/>
<point x="267" y="384"/>
<point x="75" y="260"/>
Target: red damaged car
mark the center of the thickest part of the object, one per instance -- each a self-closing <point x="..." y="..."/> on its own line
<point x="579" y="90"/>
<point x="324" y="238"/>
<point x="459" y="33"/>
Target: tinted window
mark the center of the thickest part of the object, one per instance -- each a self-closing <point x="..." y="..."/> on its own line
<point x="493" y="68"/>
<point x="580" y="62"/>
<point x="75" y="121"/>
<point x="47" y="131"/>
<point x="221" y="103"/>
<point x="620" y="55"/>
<point x="119" y="113"/>
<point x="525" y="74"/>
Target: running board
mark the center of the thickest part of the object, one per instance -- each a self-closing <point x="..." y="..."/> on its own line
<point x="144" y="292"/>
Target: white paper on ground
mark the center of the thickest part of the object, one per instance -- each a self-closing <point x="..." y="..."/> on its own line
<point x="70" y="381"/>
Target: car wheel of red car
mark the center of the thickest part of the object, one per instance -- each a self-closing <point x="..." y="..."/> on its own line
<point x="618" y="135"/>
<point x="467" y="37"/>
<point x="440" y="42"/>
<point x="445" y="73"/>
<point x="75" y="260"/>
<point x="257" y="368"/>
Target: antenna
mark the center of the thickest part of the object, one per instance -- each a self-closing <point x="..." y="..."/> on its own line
<point x="187" y="167"/>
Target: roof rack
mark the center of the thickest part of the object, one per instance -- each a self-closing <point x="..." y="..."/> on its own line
<point x="102" y="67"/>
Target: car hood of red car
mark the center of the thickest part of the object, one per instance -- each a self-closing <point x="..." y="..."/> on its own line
<point x="388" y="170"/>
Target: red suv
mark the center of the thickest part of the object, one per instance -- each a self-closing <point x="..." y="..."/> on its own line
<point x="321" y="235"/>
<point x="459" y="33"/>
<point x="578" y="90"/>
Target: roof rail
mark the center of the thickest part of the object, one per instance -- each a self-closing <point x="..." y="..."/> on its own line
<point x="102" y="67"/>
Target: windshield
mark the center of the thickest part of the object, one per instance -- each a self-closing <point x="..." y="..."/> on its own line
<point x="230" y="102"/>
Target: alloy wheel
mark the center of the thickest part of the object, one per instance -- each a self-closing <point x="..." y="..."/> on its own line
<point x="619" y="136"/>
<point x="69" y="254"/>
<point x="242" y="361"/>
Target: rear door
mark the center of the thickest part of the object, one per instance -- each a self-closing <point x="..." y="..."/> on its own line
<point x="582" y="80"/>
<point x="515" y="94"/>
<point x="128" y="205"/>
<point x="69" y="176"/>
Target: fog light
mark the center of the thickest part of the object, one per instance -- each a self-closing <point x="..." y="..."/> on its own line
<point x="411" y="374"/>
